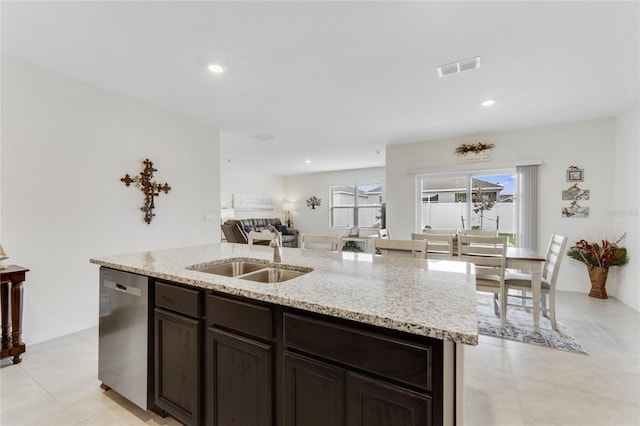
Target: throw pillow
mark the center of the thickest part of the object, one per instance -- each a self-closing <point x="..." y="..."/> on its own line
<point x="282" y="229"/>
<point x="248" y="229"/>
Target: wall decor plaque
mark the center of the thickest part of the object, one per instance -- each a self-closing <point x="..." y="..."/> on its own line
<point x="575" y="174"/>
<point x="243" y="202"/>
<point x="575" y="211"/>
<point x="575" y="193"/>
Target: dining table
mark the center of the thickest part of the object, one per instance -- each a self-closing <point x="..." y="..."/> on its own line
<point x="529" y="260"/>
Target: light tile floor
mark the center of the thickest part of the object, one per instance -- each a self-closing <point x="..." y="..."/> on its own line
<point x="510" y="383"/>
<point x="507" y="383"/>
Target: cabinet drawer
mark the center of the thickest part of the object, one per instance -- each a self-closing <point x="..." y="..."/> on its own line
<point x="179" y="299"/>
<point x="406" y="362"/>
<point x="246" y="318"/>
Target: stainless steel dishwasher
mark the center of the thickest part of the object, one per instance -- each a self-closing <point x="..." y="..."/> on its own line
<point x="124" y="356"/>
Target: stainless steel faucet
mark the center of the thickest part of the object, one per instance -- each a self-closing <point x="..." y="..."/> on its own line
<point x="276" y="243"/>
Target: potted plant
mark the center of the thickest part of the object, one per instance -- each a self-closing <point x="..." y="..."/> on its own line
<point x="599" y="257"/>
<point x="351" y="246"/>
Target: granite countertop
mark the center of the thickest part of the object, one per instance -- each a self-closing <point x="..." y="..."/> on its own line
<point x="428" y="298"/>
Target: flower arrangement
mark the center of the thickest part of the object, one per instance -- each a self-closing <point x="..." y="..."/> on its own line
<point x="603" y="254"/>
<point x="473" y="147"/>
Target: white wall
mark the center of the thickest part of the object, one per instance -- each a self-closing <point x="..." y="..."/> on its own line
<point x="236" y="178"/>
<point x="588" y="145"/>
<point x="65" y="147"/>
<point x="300" y="187"/>
<point x="626" y="209"/>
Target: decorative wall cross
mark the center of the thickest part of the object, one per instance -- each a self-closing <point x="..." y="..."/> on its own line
<point x="149" y="188"/>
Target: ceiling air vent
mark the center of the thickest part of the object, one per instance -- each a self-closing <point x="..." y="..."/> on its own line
<point x="458" y="67"/>
<point x="264" y="137"/>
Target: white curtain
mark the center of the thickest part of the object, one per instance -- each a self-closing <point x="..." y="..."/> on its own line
<point x="527" y="182"/>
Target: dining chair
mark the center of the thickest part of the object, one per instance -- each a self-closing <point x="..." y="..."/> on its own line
<point x="417" y="248"/>
<point x="334" y="242"/>
<point x="480" y="232"/>
<point x="383" y="233"/>
<point x="439" y="246"/>
<point x="489" y="255"/>
<point x="452" y="231"/>
<point x="522" y="282"/>
<point x="260" y="236"/>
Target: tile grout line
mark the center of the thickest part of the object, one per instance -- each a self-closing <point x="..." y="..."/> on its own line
<point x="49" y="395"/>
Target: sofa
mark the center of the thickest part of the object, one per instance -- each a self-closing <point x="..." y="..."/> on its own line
<point x="237" y="230"/>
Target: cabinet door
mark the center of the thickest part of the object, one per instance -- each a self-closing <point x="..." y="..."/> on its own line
<point x="177" y="365"/>
<point x="239" y="380"/>
<point x="314" y="393"/>
<point x="374" y="403"/>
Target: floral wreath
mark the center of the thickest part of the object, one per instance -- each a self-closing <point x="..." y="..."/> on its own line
<point x="473" y="147"/>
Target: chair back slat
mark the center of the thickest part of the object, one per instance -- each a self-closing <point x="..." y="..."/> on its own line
<point x="481" y="245"/>
<point x="418" y="248"/>
<point x="333" y="241"/>
<point x="451" y="231"/>
<point x="260" y="236"/>
<point x="555" y="254"/>
<point x="480" y="232"/>
<point x="439" y="246"/>
<point x="489" y="254"/>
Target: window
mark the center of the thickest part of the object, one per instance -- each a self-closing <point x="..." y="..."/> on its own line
<point x="356" y="205"/>
<point x="469" y="201"/>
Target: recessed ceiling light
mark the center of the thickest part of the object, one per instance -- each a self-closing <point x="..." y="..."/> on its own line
<point x="307" y="161"/>
<point x="215" y="68"/>
<point x="488" y="102"/>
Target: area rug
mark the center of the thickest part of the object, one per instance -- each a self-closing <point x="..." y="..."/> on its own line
<point x="519" y="327"/>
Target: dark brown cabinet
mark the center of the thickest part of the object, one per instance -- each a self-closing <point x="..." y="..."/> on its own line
<point x="318" y="394"/>
<point x="314" y="392"/>
<point x="376" y="403"/>
<point x="178" y="353"/>
<point x="239" y="380"/>
<point x="230" y="361"/>
<point x="368" y="379"/>
<point x="239" y="363"/>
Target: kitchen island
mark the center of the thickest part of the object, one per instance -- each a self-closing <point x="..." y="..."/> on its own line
<point x="358" y="336"/>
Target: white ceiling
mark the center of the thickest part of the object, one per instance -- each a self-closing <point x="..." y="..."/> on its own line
<point x="335" y="82"/>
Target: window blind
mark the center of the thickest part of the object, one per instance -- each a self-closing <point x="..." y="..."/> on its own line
<point x="527" y="184"/>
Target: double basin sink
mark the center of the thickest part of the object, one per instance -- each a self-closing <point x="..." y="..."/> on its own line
<point x="258" y="270"/>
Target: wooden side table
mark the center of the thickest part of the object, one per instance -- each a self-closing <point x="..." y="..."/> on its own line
<point x="11" y="280"/>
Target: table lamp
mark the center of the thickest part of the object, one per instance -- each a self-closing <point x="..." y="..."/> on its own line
<point x="3" y="256"/>
<point x="288" y="208"/>
<point x="226" y="213"/>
